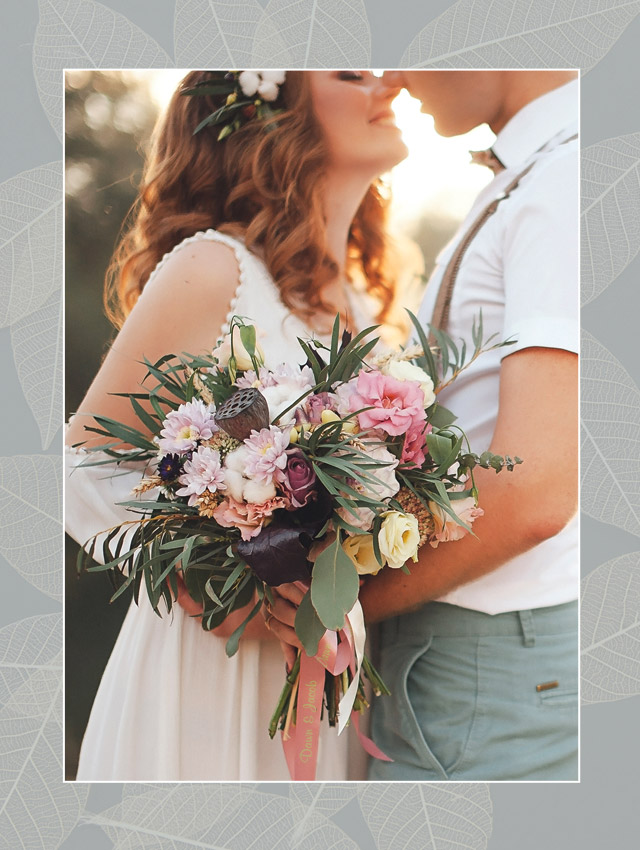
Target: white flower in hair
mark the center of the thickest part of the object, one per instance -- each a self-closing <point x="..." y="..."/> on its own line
<point x="249" y="82"/>
<point x="277" y="77"/>
<point x="268" y="91"/>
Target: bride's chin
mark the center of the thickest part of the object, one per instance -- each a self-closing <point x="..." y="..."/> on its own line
<point x="399" y="153"/>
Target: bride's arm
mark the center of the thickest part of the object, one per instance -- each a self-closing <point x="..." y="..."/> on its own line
<point x="182" y="310"/>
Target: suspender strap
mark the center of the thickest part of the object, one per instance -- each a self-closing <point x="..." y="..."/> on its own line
<point x="440" y="318"/>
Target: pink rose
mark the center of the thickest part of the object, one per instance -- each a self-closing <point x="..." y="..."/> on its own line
<point x="446" y="528"/>
<point x="414" y="447"/>
<point x="247" y="517"/>
<point x="397" y="406"/>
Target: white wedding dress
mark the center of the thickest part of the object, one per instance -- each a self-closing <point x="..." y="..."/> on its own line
<point x="171" y="706"/>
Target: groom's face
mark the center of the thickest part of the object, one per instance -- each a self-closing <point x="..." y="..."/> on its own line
<point x="458" y="100"/>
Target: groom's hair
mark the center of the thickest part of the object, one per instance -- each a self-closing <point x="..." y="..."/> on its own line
<point x="261" y="183"/>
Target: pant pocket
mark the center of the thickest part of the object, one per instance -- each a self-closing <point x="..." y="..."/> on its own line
<point x="441" y="688"/>
<point x="396" y="728"/>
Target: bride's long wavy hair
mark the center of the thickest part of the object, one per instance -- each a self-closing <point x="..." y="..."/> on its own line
<point x="257" y="184"/>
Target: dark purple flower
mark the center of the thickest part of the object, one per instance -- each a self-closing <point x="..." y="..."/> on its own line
<point x="299" y="478"/>
<point x="169" y="467"/>
<point x="278" y="554"/>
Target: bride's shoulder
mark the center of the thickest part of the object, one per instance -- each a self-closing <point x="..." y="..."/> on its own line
<point x="207" y="264"/>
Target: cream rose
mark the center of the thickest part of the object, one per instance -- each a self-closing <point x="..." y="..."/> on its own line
<point x="243" y="362"/>
<point x="398" y="538"/>
<point x="360" y="549"/>
<point x="402" y="370"/>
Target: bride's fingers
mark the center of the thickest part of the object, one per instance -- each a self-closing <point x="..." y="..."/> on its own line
<point x="285" y="634"/>
<point x="281" y="610"/>
<point x="291" y="592"/>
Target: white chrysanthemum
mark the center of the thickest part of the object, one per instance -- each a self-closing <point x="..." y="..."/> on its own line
<point x="185" y="427"/>
<point x="249" y="82"/>
<point x="277" y="77"/>
<point x="267" y="454"/>
<point x="268" y="91"/>
<point x="202" y="472"/>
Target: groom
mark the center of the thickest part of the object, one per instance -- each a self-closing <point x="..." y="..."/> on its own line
<point x="479" y="644"/>
<point x="484" y="680"/>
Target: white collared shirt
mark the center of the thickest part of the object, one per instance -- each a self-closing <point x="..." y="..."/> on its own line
<point x="522" y="268"/>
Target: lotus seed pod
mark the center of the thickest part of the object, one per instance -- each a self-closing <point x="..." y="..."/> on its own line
<point x="246" y="411"/>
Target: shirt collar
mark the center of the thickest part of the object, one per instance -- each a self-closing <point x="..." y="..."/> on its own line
<point x="537" y="123"/>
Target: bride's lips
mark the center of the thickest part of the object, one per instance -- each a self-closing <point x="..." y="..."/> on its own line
<point x="386" y="117"/>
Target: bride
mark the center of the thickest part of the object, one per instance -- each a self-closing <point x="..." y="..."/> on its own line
<point x="272" y="219"/>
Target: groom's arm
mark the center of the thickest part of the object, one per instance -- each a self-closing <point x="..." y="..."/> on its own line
<point x="538" y="421"/>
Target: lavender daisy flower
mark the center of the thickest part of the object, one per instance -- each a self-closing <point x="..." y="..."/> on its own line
<point x="203" y="472"/>
<point x="186" y="426"/>
<point x="266" y="459"/>
<point x="264" y="378"/>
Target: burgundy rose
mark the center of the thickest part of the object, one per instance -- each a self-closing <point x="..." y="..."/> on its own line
<point x="299" y="478"/>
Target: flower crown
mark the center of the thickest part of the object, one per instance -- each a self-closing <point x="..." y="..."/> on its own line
<point x="249" y="94"/>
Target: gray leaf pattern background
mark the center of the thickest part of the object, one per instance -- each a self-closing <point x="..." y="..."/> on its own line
<point x="610" y="460"/>
<point x="215" y="33"/>
<point x="38" y="809"/>
<point x="30" y="240"/>
<point x="610" y="632"/>
<point x="320" y="34"/>
<point x="85" y="34"/>
<point x="610" y="196"/>
<point x="503" y="34"/>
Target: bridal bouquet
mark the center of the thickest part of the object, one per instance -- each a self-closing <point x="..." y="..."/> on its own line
<point x="259" y="474"/>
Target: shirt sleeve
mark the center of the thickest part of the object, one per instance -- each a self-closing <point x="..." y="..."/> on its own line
<point x="541" y="257"/>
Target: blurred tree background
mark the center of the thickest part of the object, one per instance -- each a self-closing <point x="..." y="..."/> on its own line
<point x="109" y="118"/>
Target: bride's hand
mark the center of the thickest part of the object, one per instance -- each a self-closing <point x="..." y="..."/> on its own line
<point x="255" y="630"/>
<point x="280" y="617"/>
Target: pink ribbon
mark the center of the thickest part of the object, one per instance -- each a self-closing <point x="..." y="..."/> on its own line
<point x="301" y="746"/>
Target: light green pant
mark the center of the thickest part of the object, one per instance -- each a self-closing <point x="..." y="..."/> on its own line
<point x="466" y="702"/>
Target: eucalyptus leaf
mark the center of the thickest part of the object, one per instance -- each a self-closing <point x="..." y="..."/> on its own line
<point x="334" y="585"/>
<point x="308" y="625"/>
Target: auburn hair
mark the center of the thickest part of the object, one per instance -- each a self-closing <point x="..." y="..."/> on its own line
<point x="262" y="184"/>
